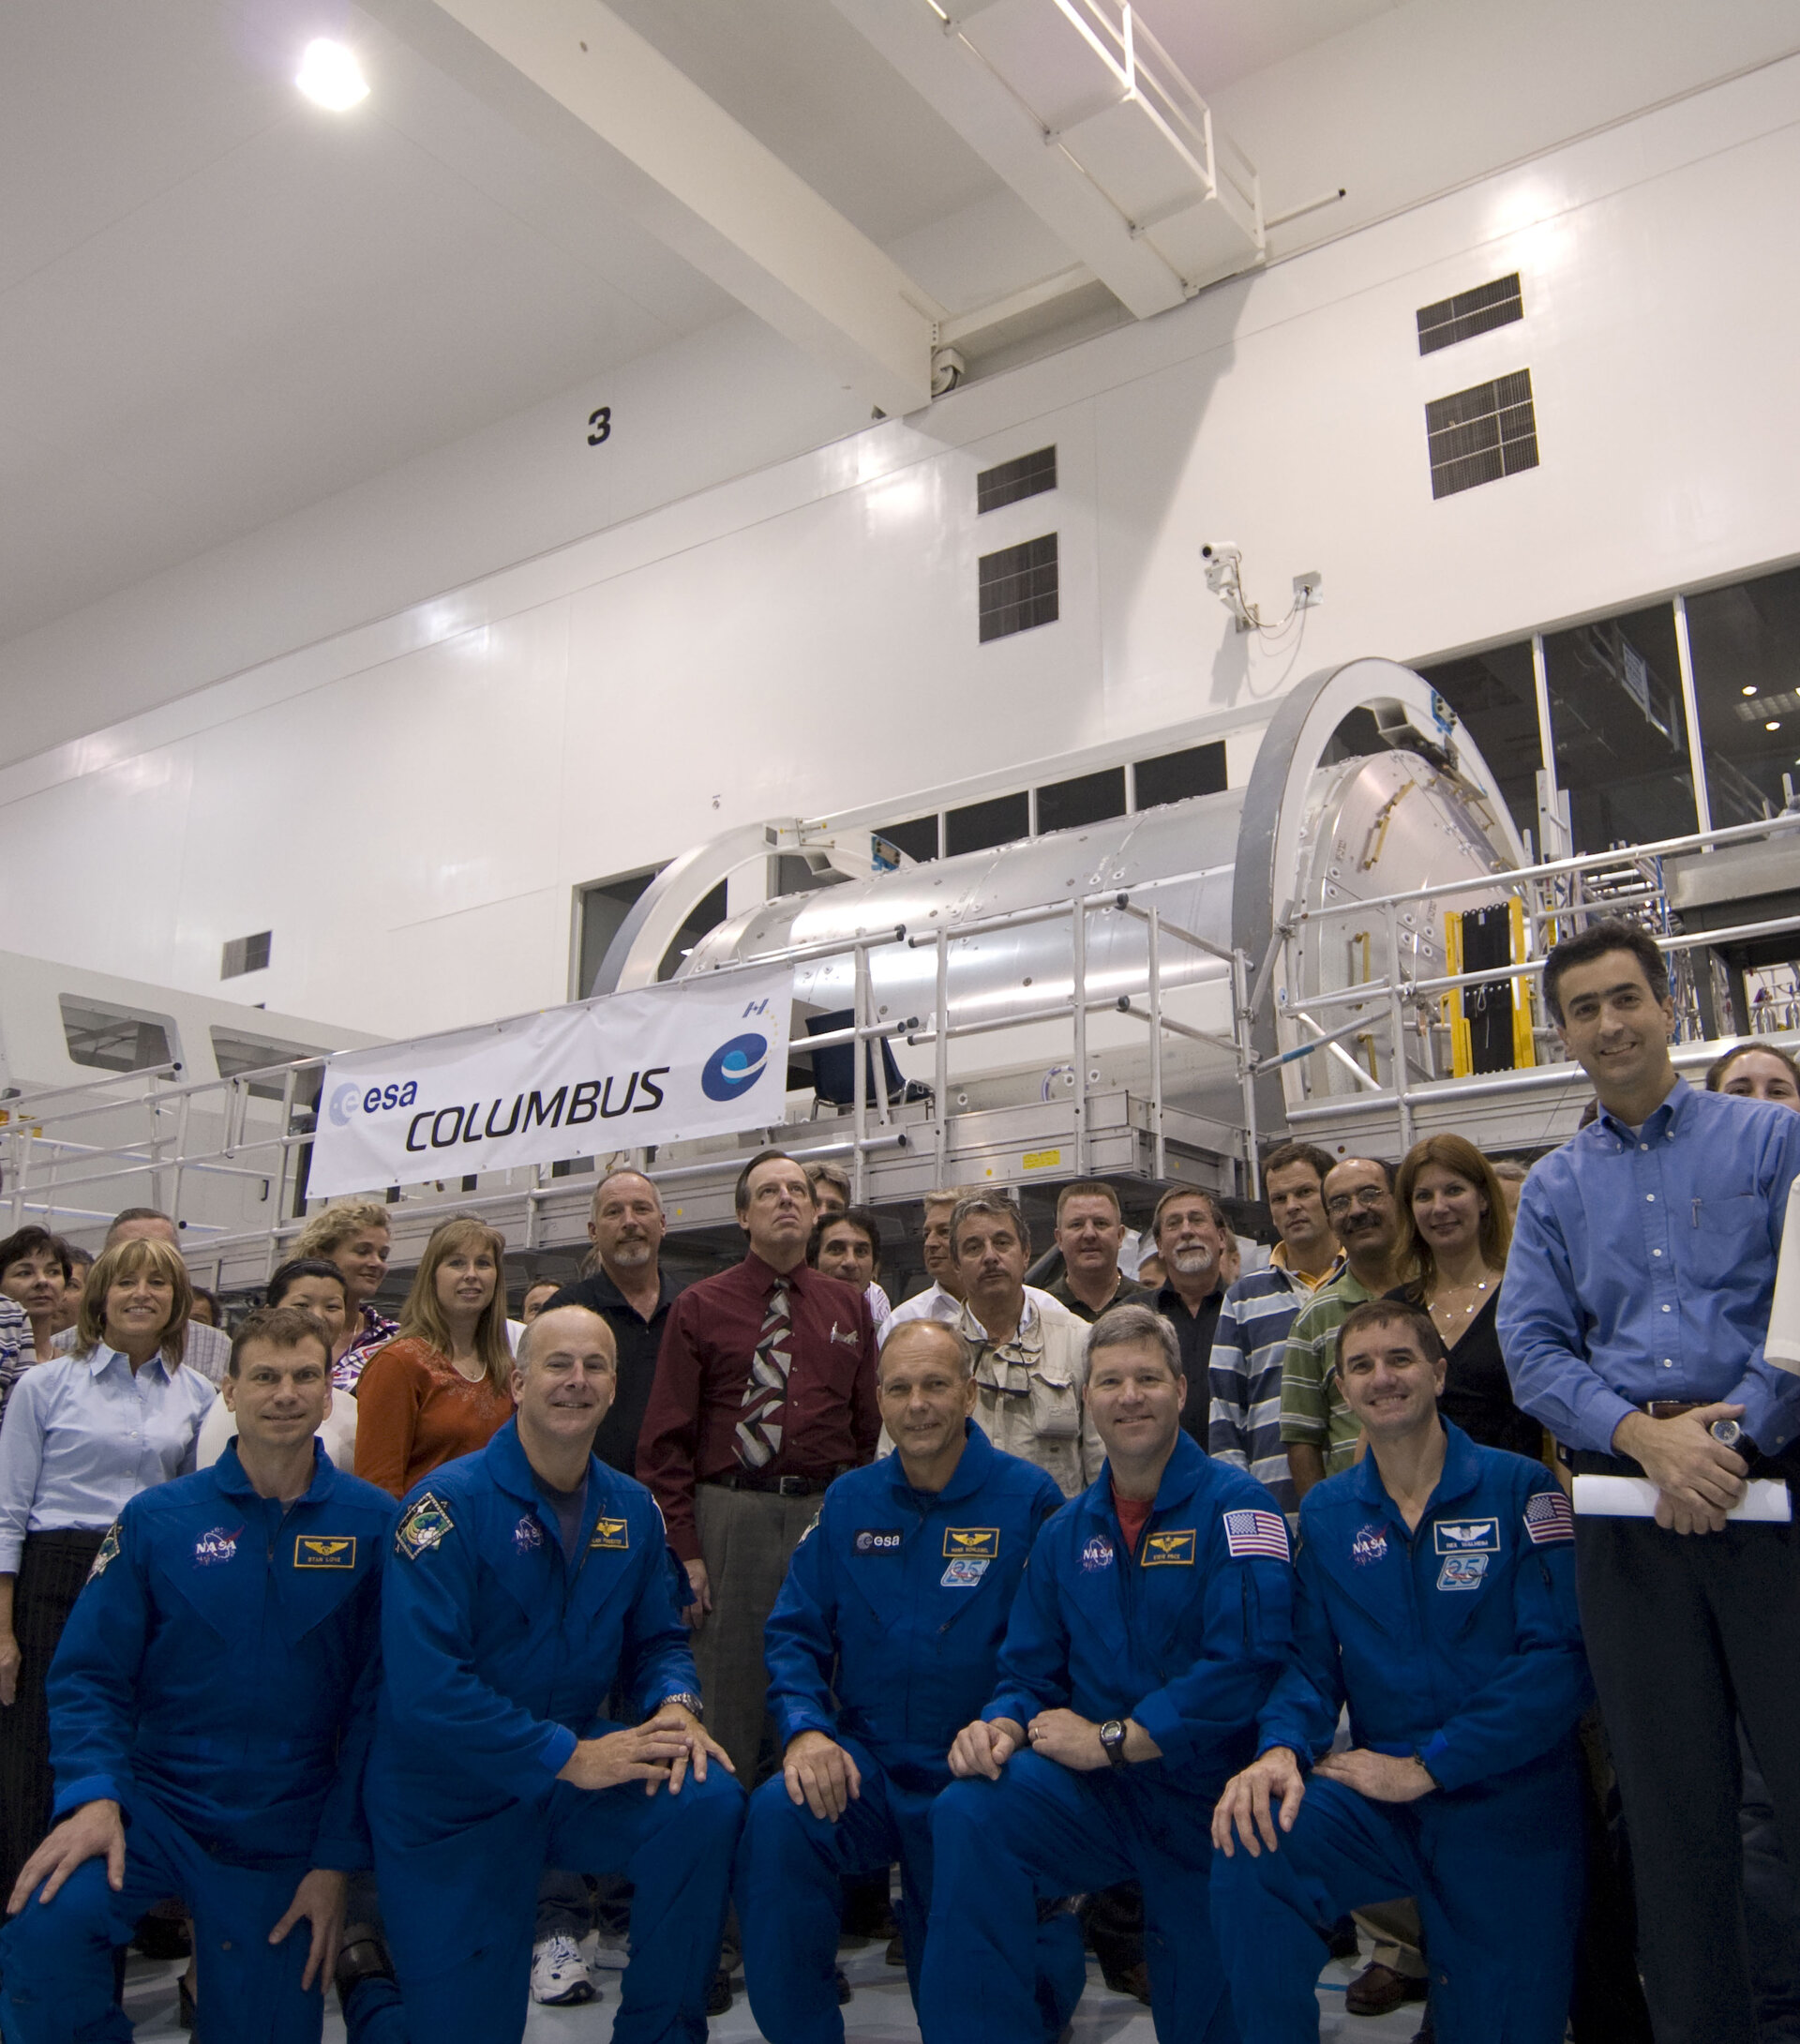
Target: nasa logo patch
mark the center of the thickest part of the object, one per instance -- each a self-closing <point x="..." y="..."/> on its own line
<point x="1369" y="1544"/>
<point x="1097" y="1554"/>
<point x="217" y="1544"/>
<point x="528" y="1536"/>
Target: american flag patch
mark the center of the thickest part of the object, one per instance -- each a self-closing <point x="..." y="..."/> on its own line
<point x="1549" y="1519"/>
<point x="1257" y="1533"/>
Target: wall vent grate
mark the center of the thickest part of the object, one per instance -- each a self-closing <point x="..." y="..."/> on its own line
<point x="1470" y="312"/>
<point x="1481" y="434"/>
<point x="1018" y="588"/>
<point x="1025" y="476"/>
<point x="244" y="955"/>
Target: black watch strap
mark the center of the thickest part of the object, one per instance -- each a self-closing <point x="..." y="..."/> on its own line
<point x="1112" y="1741"/>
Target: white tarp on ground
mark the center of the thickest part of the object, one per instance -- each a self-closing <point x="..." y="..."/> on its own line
<point x="700" y="1056"/>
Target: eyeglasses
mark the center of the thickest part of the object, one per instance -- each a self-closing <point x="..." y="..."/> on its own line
<point x="1368" y="1197"/>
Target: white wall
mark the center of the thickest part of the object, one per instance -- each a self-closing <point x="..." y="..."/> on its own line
<point x="408" y="804"/>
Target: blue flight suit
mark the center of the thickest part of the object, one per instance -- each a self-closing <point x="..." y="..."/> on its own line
<point x="1186" y="1636"/>
<point x="499" y="1655"/>
<point x="885" y="1637"/>
<point x="1459" y="1642"/>
<point x="218" y="1680"/>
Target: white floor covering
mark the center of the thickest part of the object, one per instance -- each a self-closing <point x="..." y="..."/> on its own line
<point x="881" y="2011"/>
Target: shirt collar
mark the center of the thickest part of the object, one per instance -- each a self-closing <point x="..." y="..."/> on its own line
<point x="1184" y="1472"/>
<point x="511" y="1468"/>
<point x="1168" y="1302"/>
<point x="765" y="1276"/>
<point x="1667" y="1120"/>
<point x="1025" y="1337"/>
<point x="1278" y="1261"/>
<point x="104" y="1358"/>
<point x="973" y="1469"/>
<point x="229" y="1474"/>
<point x="1459" y="1475"/>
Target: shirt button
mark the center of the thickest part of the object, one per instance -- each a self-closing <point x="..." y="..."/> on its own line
<point x="1655" y="1252"/>
<point x="1650" y="1196"/>
<point x="1667" y="1362"/>
<point x="1643" y="1145"/>
<point x="1668" y="1309"/>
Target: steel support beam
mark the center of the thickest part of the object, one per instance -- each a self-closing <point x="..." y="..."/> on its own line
<point x="590" y="91"/>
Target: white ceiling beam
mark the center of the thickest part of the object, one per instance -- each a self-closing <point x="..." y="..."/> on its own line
<point x="576" y="79"/>
<point x="943" y="66"/>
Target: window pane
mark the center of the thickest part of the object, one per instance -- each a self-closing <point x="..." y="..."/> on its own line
<point x="1621" y="741"/>
<point x="1495" y="698"/>
<point x="1745" y="646"/>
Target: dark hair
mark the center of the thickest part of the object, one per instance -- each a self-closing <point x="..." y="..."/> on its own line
<point x="73" y="1254"/>
<point x="740" y="1199"/>
<point x="28" y="1242"/>
<point x="1611" y="934"/>
<point x="296" y="1267"/>
<point x="1285" y="1155"/>
<point x="1390" y="1312"/>
<point x="999" y="1203"/>
<point x="1087" y="1189"/>
<point x="212" y="1299"/>
<point x="1188" y="1192"/>
<point x="287" y="1327"/>
<point x="1715" y="1080"/>
<point x="856" y="1217"/>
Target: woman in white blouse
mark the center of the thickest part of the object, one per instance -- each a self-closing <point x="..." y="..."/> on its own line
<point x="83" y="1434"/>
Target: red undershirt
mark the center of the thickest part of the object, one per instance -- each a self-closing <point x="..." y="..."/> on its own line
<point x="1133" y="1516"/>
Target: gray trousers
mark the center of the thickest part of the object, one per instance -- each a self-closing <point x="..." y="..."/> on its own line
<point x="746" y="1540"/>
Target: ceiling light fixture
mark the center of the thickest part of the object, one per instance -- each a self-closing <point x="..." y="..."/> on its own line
<point x="1773" y="724"/>
<point x="1749" y="689"/>
<point x="330" y="76"/>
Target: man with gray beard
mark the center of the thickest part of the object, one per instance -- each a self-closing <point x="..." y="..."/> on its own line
<point x="1191" y="1232"/>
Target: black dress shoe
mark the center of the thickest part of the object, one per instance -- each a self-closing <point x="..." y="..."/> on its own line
<point x="718" y="1993"/>
<point x="844" y="1988"/>
<point x="1379" y="1990"/>
<point x="1341" y="1939"/>
<point x="1134" y="1980"/>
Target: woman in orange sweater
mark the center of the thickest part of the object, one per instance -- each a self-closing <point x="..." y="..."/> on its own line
<point x="444" y="1385"/>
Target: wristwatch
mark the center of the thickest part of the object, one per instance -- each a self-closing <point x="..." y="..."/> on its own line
<point x="1728" y="1433"/>
<point x="1112" y="1740"/>
<point x="688" y="1702"/>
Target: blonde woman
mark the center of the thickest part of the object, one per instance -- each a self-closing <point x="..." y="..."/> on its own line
<point x="84" y="1433"/>
<point x="1455" y="1231"/>
<point x="355" y="1236"/>
<point x="442" y="1387"/>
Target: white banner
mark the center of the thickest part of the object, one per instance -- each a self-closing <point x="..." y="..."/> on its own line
<point x="700" y="1056"/>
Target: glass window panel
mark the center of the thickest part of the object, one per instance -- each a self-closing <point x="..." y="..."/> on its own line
<point x="1621" y="740"/>
<point x="1495" y="698"/>
<point x="1746" y="647"/>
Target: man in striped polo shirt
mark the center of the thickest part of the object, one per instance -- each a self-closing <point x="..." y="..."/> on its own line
<point x="1250" y="1340"/>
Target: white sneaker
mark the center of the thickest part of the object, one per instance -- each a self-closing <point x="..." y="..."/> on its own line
<point x="558" y="1974"/>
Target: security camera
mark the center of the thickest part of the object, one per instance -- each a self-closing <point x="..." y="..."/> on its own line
<point x="1220" y="548"/>
<point x="1224" y="579"/>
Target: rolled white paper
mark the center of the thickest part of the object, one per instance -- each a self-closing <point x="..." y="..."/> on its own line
<point x="1767" y="1500"/>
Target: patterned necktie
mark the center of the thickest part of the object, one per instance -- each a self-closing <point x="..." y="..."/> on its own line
<point x="759" y="1432"/>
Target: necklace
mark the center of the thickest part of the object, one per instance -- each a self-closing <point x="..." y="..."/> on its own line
<point x="1441" y="1303"/>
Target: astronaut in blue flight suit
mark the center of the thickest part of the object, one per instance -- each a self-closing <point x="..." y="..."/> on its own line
<point x="211" y="1706"/>
<point x="529" y="1579"/>
<point x="1152" y="1619"/>
<point x="1438" y="1598"/>
<point x="882" y="1644"/>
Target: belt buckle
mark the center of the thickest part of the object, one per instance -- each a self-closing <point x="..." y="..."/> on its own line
<point x="790" y="1486"/>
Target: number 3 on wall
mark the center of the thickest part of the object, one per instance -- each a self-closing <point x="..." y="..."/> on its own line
<point x="600" y="426"/>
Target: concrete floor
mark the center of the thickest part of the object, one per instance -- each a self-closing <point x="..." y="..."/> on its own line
<point x="879" y="2013"/>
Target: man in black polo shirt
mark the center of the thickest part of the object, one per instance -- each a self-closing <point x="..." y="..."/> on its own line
<point x="1090" y="1231"/>
<point x="632" y="1296"/>
<point x="1192" y="1234"/>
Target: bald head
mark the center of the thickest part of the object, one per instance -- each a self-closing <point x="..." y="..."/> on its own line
<point x="912" y="1340"/>
<point x="566" y="1330"/>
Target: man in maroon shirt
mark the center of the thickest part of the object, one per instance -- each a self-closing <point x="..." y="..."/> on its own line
<point x="764" y="1392"/>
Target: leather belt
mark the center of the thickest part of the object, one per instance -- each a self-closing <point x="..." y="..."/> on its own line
<point x="773" y="1486"/>
<point x="1672" y="1408"/>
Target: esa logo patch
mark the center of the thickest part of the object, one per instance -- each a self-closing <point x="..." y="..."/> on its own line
<point x="877" y="1540"/>
<point x="219" y="1544"/>
<point x="1097" y="1554"/>
<point x="611" y="1533"/>
<point x="1466" y="1537"/>
<point x="1462" y="1571"/>
<point x="109" y="1550"/>
<point x="972" y="1542"/>
<point x="1368" y="1545"/>
<point x="325" y="1551"/>
<point x="528" y="1536"/>
<point x="1169" y="1550"/>
<point x="424" y="1525"/>
<point x="962" y="1575"/>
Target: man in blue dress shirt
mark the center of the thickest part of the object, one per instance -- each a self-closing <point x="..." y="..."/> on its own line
<point x="881" y="1645"/>
<point x="211" y="1706"/>
<point x="1634" y="1319"/>
<point x="1437" y="1599"/>
<point x="529" y="1582"/>
<point x="1153" y="1618"/>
